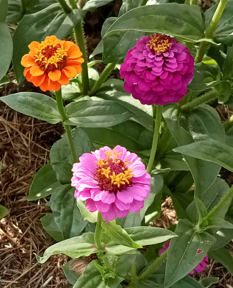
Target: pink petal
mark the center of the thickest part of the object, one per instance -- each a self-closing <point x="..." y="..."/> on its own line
<point x="125" y="196"/>
<point x="121" y="205"/>
<point x="110" y="215"/>
<point x="90" y="205"/>
<point x="102" y="207"/>
<point x="136" y="206"/>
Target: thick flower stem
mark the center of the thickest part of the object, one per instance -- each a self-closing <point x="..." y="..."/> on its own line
<point x="78" y="30"/>
<point x="208" y="96"/>
<point x="64" y="117"/>
<point x="146" y="273"/>
<point x="64" y="6"/>
<point x="163" y="142"/>
<point x="210" y="30"/>
<point x="159" y="110"/>
<point x="73" y="4"/>
<point x="228" y="124"/>
<point x="98" y="232"/>
<point x="108" y="69"/>
<point x="227" y="197"/>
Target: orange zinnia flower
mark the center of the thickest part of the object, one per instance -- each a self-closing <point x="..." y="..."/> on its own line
<point x="52" y="63"/>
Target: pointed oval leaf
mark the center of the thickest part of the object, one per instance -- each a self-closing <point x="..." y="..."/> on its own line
<point x="6" y="48"/>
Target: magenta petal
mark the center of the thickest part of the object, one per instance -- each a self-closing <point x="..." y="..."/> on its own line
<point x="108" y="197"/>
<point x="102" y="207"/>
<point x="136" y="206"/>
<point x="121" y="205"/>
<point x="90" y="205"/>
<point x="125" y="196"/>
<point x="110" y="214"/>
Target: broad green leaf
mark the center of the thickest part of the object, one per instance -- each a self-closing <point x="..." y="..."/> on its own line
<point x="60" y="151"/>
<point x="71" y="276"/>
<point x="209" y="150"/>
<point x="178" y="125"/>
<point x="6" y="49"/>
<point x="183" y="254"/>
<point x="3" y="10"/>
<point x="91" y="5"/>
<point x="227" y="68"/>
<point x="174" y="19"/>
<point x="93" y="114"/>
<point x="223" y="256"/>
<point x="33" y="104"/>
<point x="3" y="211"/>
<point x="51" y="227"/>
<point x="207" y="282"/>
<point x="118" y="234"/>
<point x="218" y="223"/>
<point x="131" y="220"/>
<point x="5" y="80"/>
<point x="174" y="162"/>
<point x="44" y="183"/>
<point x="66" y="213"/>
<point x="63" y="172"/>
<point x="204" y="122"/>
<point x="196" y="211"/>
<point x="128" y="5"/>
<point x="75" y="247"/>
<point x="184" y="184"/>
<point x="124" y="264"/>
<point x="86" y="214"/>
<point x="35" y="27"/>
<point x="142" y="236"/>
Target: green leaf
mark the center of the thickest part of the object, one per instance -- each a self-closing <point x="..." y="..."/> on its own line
<point x="5" y="80"/>
<point x="118" y="234"/>
<point x="3" y="211"/>
<point x="66" y="212"/>
<point x="35" y="27"/>
<point x="44" y="183"/>
<point x="209" y="150"/>
<point x="218" y="223"/>
<point x="142" y="236"/>
<point x="91" y="5"/>
<point x="3" y="10"/>
<point x="227" y="69"/>
<point x="60" y="151"/>
<point x="128" y="5"/>
<point x="75" y="247"/>
<point x="181" y="201"/>
<point x="173" y="161"/>
<point x="71" y="276"/>
<point x="183" y="254"/>
<point x="174" y="19"/>
<point x="86" y="214"/>
<point x="196" y="211"/>
<point x="36" y="105"/>
<point x="178" y="126"/>
<point x="6" y="49"/>
<point x="92" y="114"/>
<point x="63" y="172"/>
<point x="224" y="257"/>
<point x="131" y="220"/>
<point x="207" y="282"/>
<point x="51" y="227"/>
<point x="124" y="264"/>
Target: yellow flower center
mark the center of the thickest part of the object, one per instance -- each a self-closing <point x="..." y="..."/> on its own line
<point x="112" y="174"/>
<point x="159" y="43"/>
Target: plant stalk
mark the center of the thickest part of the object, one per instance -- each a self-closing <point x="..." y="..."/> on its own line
<point x="64" y="6"/>
<point x="163" y="142"/>
<point x="145" y="274"/>
<point x="108" y="69"/>
<point x="208" y="96"/>
<point x="64" y="117"/>
<point x="79" y="36"/>
<point x="210" y="30"/>
<point x="227" y="197"/>
<point x="73" y="4"/>
<point x="157" y="120"/>
<point x="98" y="232"/>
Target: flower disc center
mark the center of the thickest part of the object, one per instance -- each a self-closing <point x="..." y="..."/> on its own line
<point x="159" y="43"/>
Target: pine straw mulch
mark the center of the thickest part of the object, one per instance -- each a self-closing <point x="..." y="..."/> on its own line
<point x="24" y="148"/>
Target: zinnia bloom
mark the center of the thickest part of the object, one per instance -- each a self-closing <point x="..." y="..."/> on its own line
<point x="113" y="182"/>
<point x="157" y="70"/>
<point x="52" y="63"/>
<point x="200" y="267"/>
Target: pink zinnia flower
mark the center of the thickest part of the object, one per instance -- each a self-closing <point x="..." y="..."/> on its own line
<point x="157" y="70"/>
<point x="113" y="182"/>
<point x="200" y="267"/>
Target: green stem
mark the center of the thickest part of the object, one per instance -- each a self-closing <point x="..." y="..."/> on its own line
<point x="108" y="69"/>
<point x="145" y="274"/>
<point x="226" y="198"/>
<point x="64" y="117"/>
<point x="208" y="96"/>
<point x="228" y="123"/>
<point x="194" y="2"/>
<point x="159" y="110"/>
<point x="64" y="6"/>
<point x="98" y="232"/>
<point x="210" y="30"/>
<point x="73" y="4"/>
<point x="23" y="6"/>
<point x="163" y="142"/>
<point x="78" y="30"/>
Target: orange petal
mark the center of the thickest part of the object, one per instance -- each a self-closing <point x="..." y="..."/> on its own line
<point x="26" y="71"/>
<point x="28" y="61"/>
<point x="73" y="62"/>
<point x="55" y="75"/>
<point x="70" y="71"/>
<point x="78" y="69"/>
<point x="34" y="45"/>
<point x="38" y="80"/>
<point x="64" y="80"/>
<point x="68" y="44"/>
<point x="53" y="85"/>
<point x="51" y="38"/>
<point x="44" y="86"/>
<point x="36" y="71"/>
<point x="74" y="52"/>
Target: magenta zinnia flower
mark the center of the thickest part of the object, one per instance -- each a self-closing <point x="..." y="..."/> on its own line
<point x="113" y="182"/>
<point x="157" y="70"/>
<point x="200" y="267"/>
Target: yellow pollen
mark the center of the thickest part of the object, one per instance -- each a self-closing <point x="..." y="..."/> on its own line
<point x="159" y="43"/>
<point x="106" y="172"/>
